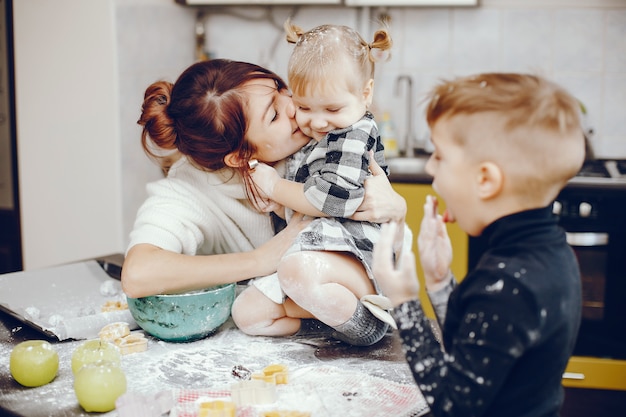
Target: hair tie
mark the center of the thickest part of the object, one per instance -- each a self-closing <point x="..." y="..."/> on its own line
<point x="253" y="163"/>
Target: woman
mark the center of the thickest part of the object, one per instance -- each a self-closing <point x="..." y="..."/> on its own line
<point x="218" y="116"/>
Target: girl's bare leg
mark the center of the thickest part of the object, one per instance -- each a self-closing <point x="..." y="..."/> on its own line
<point x="257" y="315"/>
<point x="328" y="284"/>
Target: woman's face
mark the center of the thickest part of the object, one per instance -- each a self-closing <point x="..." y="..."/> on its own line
<point x="272" y="125"/>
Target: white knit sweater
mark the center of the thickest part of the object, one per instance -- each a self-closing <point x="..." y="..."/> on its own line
<point x="198" y="212"/>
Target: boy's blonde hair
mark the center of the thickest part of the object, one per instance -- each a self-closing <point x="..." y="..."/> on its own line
<point x="320" y="51"/>
<point x="530" y="126"/>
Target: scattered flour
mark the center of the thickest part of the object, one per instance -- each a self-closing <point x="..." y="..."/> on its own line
<point x="326" y="378"/>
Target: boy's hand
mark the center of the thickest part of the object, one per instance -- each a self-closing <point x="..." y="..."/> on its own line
<point x="398" y="284"/>
<point x="435" y="248"/>
<point x="265" y="178"/>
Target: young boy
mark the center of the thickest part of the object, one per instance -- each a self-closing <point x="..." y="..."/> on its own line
<point x="505" y="145"/>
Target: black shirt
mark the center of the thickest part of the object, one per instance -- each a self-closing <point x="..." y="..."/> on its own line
<point x="510" y="326"/>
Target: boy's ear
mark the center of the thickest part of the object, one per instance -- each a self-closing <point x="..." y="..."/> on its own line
<point x="368" y="92"/>
<point x="490" y="180"/>
<point x="233" y="160"/>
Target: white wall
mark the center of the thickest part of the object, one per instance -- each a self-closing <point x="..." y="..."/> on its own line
<point x="81" y="70"/>
<point x="580" y="44"/>
<point x="67" y="130"/>
<point x="155" y="41"/>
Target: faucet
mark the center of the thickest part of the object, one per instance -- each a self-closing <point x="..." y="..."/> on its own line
<point x="407" y="146"/>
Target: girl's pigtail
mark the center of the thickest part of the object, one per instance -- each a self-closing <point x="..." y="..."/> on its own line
<point x="383" y="42"/>
<point x="293" y="32"/>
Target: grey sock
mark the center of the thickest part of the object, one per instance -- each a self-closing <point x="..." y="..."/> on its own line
<point x="362" y="329"/>
<point x="314" y="327"/>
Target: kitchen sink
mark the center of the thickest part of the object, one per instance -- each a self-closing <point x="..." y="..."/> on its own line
<point x="407" y="165"/>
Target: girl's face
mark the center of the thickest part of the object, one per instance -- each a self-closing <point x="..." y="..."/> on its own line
<point x="272" y="125"/>
<point x="330" y="109"/>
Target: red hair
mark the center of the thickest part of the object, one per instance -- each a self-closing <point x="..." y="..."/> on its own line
<point x="202" y="115"/>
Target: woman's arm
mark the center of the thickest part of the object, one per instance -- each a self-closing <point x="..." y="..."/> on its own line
<point x="150" y="270"/>
<point x="381" y="203"/>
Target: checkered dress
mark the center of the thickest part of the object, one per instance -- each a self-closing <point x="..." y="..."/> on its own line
<point x="333" y="171"/>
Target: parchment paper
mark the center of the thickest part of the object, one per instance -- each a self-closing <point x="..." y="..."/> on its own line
<point x="64" y="302"/>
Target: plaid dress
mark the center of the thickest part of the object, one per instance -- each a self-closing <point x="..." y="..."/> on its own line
<point x="333" y="172"/>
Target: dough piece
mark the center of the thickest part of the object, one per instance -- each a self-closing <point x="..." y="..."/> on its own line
<point x="273" y="374"/>
<point x="133" y="343"/>
<point x="217" y="408"/>
<point x="114" y="331"/>
<point x="114" y="306"/>
<point x="119" y="334"/>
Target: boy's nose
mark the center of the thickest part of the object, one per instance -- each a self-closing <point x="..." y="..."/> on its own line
<point x="429" y="167"/>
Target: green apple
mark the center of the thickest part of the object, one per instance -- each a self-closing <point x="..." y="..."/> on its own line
<point x="34" y="363"/>
<point x="98" y="385"/>
<point x="92" y="351"/>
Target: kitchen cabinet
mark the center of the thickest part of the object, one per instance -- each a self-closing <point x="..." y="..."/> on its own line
<point x="596" y="373"/>
<point x="415" y="196"/>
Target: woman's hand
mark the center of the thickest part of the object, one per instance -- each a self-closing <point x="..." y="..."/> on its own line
<point x="265" y="205"/>
<point x="435" y="248"/>
<point x="398" y="282"/>
<point x="381" y="203"/>
<point x="271" y="252"/>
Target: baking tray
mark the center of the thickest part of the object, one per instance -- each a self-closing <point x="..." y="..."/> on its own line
<point x="66" y="301"/>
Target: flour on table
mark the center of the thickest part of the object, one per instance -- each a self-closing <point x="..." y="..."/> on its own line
<point x="110" y="288"/>
<point x="338" y="387"/>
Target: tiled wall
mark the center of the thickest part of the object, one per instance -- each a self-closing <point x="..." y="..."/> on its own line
<point x="582" y="48"/>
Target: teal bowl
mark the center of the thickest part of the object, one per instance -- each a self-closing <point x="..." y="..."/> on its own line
<point x="183" y="317"/>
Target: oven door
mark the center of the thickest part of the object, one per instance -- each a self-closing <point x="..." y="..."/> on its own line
<point x="603" y="277"/>
<point x="592" y="252"/>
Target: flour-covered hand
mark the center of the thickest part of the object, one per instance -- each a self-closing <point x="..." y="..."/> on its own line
<point x="434" y="246"/>
<point x="398" y="280"/>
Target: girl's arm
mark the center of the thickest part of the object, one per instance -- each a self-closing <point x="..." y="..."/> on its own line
<point x="150" y="270"/>
<point x="335" y="186"/>
<point x="284" y="192"/>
